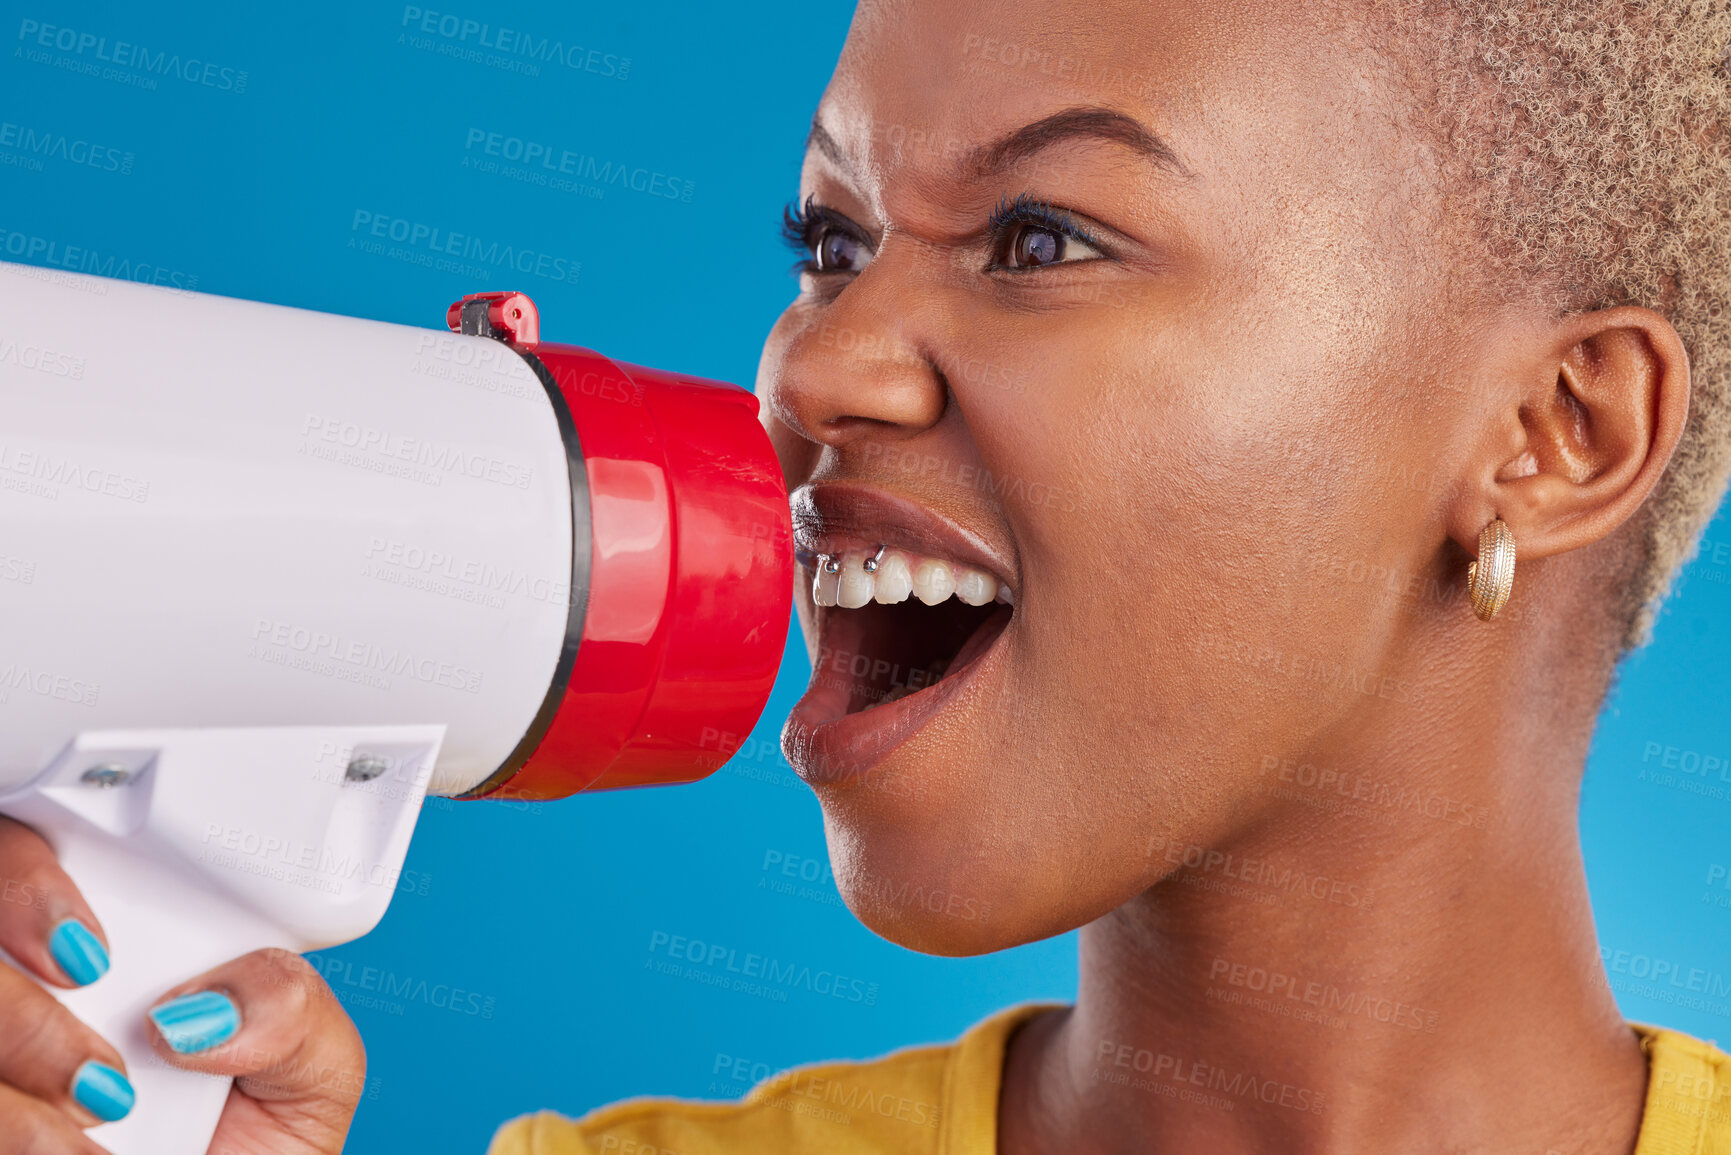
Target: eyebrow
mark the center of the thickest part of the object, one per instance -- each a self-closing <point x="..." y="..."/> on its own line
<point x="1072" y="124"/>
<point x="1081" y="123"/>
<point x="820" y="139"/>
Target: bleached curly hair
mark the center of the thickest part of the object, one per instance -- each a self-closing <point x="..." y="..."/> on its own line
<point x="1587" y="144"/>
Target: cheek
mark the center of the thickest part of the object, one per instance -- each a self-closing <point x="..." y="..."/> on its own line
<point x="1171" y="623"/>
<point x="797" y="454"/>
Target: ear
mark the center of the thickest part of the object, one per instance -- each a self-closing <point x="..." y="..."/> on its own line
<point x="1588" y="435"/>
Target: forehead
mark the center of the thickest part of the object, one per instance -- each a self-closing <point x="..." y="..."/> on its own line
<point x="1228" y="83"/>
<point x="1302" y="187"/>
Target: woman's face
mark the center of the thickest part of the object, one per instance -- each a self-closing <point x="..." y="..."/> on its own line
<point x="1131" y="306"/>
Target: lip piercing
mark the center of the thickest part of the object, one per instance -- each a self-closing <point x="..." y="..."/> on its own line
<point x="831" y="564"/>
<point x="871" y="563"/>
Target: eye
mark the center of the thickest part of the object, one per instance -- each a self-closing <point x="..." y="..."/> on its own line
<point x="835" y="251"/>
<point x="1031" y="246"/>
<point x="1031" y="234"/>
<point x="826" y="241"/>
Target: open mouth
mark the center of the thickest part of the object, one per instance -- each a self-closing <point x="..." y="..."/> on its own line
<point x="893" y="624"/>
<point x="908" y="607"/>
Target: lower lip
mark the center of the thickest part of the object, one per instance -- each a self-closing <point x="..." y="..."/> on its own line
<point x="832" y="748"/>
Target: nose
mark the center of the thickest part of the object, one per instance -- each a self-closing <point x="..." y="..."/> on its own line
<point x="861" y="365"/>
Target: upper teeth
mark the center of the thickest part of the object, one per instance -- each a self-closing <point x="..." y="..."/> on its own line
<point x="846" y="581"/>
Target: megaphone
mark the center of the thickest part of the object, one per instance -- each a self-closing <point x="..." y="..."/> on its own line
<point x="270" y="576"/>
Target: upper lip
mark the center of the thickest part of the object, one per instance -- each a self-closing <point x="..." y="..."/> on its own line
<point x="830" y="517"/>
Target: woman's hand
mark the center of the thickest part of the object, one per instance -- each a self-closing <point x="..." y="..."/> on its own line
<point x="266" y="1018"/>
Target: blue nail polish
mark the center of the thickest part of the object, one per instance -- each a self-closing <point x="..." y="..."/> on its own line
<point x="102" y="1091"/>
<point x="80" y="954"/>
<point x="197" y="1022"/>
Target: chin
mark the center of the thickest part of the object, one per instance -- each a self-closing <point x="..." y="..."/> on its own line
<point x="923" y="862"/>
<point x="918" y="896"/>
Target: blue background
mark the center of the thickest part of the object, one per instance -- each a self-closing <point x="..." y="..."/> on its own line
<point x="546" y="914"/>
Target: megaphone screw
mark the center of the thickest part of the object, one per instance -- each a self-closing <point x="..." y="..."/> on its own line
<point x="108" y="775"/>
<point x="366" y="767"/>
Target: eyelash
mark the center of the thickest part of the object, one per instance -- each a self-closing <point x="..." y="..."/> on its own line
<point x="1026" y="209"/>
<point x="802" y="222"/>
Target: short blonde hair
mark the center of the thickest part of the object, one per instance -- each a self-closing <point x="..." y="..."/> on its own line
<point x="1587" y="144"/>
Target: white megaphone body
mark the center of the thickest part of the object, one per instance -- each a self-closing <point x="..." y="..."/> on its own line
<point x="269" y="576"/>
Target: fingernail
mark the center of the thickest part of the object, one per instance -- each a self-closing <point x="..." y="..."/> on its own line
<point x="80" y="954"/>
<point x="197" y="1022"/>
<point x="102" y="1091"/>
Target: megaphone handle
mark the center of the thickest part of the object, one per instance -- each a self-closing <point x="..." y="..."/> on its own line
<point x="164" y="925"/>
<point x="194" y="847"/>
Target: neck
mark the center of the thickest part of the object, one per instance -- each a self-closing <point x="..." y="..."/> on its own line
<point x="1399" y="956"/>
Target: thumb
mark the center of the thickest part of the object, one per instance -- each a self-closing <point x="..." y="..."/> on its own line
<point x="270" y="1020"/>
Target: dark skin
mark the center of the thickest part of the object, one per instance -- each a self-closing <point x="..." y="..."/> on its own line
<point x="1276" y="410"/>
<point x="297" y="1061"/>
<point x="1268" y="369"/>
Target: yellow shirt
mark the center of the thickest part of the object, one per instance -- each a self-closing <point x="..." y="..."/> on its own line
<point x="943" y="1100"/>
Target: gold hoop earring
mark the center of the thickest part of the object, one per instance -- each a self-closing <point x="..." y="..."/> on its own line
<point x="1491" y="579"/>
